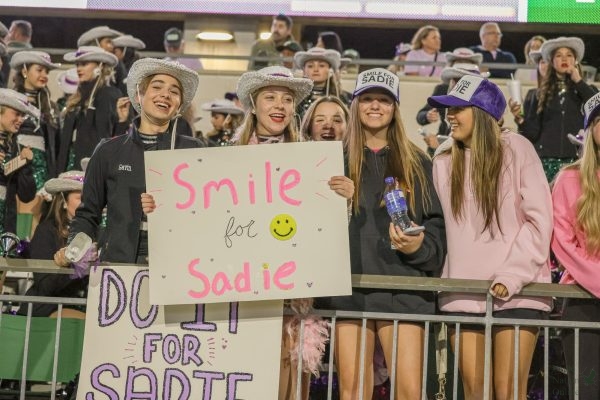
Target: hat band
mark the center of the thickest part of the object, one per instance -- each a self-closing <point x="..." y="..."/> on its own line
<point x="71" y="81"/>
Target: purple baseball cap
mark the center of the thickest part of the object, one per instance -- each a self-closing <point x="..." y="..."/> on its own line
<point x="591" y="108"/>
<point x="378" y="78"/>
<point x="473" y="91"/>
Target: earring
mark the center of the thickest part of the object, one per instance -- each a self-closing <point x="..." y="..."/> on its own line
<point x="24" y="76"/>
<point x="65" y="206"/>
<point x="253" y="111"/>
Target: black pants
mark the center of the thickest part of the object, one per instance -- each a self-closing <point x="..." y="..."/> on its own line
<point x="587" y="310"/>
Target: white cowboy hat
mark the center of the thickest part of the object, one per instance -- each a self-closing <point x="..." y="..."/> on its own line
<point x="458" y="70"/>
<point x="535" y="56"/>
<point x="464" y="54"/>
<point x="68" y="81"/>
<point x="222" y="106"/>
<point x="69" y="181"/>
<point x="92" y="53"/>
<point x="153" y="66"/>
<point x="27" y="57"/>
<point x="573" y="43"/>
<point x="129" y="41"/>
<point x="97" y="32"/>
<point x="331" y="57"/>
<point x="18" y="101"/>
<point x="275" y="75"/>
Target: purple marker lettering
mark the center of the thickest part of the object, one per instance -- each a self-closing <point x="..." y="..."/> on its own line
<point x="191" y="345"/>
<point x="132" y="375"/>
<point x="175" y="374"/>
<point x="137" y="320"/>
<point x="149" y="346"/>
<point x="110" y="277"/>
<point x="95" y="381"/>
<point x="171" y="349"/>
<point x="198" y="324"/>
<point x="208" y="377"/>
<point x="232" y="380"/>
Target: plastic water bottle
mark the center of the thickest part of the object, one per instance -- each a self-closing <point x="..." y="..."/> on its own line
<point x="395" y="203"/>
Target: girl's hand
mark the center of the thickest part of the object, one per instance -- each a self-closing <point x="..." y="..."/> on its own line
<point x="406" y="244"/>
<point x="26" y="154"/>
<point x="342" y="185"/>
<point x="148" y="204"/>
<point x="499" y="291"/>
<point x="574" y="74"/>
<point x="123" y="108"/>
<point x="60" y="259"/>
<point x="515" y="108"/>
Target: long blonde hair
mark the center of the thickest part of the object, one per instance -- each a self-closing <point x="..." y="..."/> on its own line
<point x="101" y="81"/>
<point x="484" y="170"/>
<point x="417" y="40"/>
<point x="245" y="131"/>
<point x="405" y="160"/>
<point x="588" y="210"/>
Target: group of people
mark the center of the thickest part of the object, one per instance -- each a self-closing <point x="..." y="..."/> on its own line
<point x="483" y="199"/>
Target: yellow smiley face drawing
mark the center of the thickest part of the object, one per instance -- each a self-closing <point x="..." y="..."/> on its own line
<point x="283" y="227"/>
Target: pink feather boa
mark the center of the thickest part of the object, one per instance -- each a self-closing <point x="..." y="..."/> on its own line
<point x="316" y="335"/>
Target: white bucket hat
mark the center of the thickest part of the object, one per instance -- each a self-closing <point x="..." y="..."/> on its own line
<point x="69" y="181"/>
<point x="252" y="81"/>
<point x="92" y="53"/>
<point x="153" y="66"/>
<point x="222" y="106"/>
<point x="68" y="81"/>
<point x="96" y="33"/>
<point x="458" y="70"/>
<point x="27" y="57"/>
<point x="331" y="57"/>
<point x="129" y="41"/>
<point x="573" y="43"/>
<point x="464" y="54"/>
<point x="19" y="102"/>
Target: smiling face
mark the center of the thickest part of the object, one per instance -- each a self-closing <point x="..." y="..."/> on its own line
<point x="10" y="119"/>
<point x="317" y="71"/>
<point x="563" y="60"/>
<point x="376" y="110"/>
<point x="461" y="124"/>
<point x="274" y="110"/>
<point x="85" y="70"/>
<point x="328" y="122"/>
<point x="283" y="227"/>
<point x="161" y="100"/>
<point x="36" y="77"/>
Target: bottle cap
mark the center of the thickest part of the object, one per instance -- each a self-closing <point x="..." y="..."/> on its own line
<point x="389" y="180"/>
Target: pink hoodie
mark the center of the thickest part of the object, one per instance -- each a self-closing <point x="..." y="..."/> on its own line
<point x="514" y="257"/>
<point x="568" y="243"/>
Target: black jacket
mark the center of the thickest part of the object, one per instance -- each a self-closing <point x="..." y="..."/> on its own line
<point x="548" y="130"/>
<point x="20" y="183"/>
<point x="370" y="246"/>
<point x="92" y="125"/>
<point x="44" y="244"/>
<point x="115" y="179"/>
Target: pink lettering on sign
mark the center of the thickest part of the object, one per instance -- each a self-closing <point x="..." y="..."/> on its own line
<point x="221" y="282"/>
<point x="288" y="180"/>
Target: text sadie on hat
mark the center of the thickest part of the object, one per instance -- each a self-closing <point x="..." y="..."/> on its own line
<point x="377" y="78"/>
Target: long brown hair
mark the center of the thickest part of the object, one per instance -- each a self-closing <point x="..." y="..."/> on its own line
<point x="484" y="170"/>
<point x="102" y="80"/>
<point x="421" y="34"/>
<point x="404" y="160"/>
<point x="47" y="107"/>
<point x="549" y="86"/>
<point x="58" y="213"/>
<point x="588" y="211"/>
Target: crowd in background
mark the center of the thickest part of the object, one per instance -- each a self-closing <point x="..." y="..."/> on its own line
<point x="481" y="191"/>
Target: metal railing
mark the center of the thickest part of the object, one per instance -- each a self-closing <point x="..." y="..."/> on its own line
<point x="488" y="321"/>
